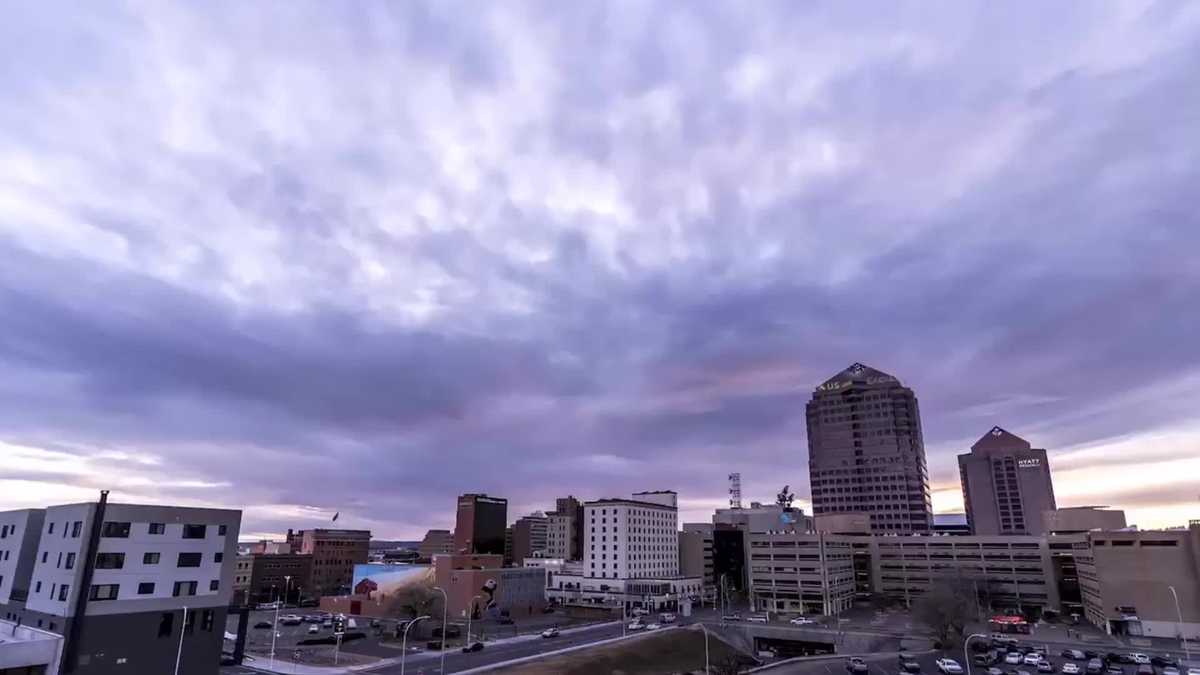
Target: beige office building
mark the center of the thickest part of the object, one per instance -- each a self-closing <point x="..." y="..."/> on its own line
<point x="799" y="573"/>
<point x="866" y="452"/>
<point x="1131" y="580"/>
<point x="1006" y="485"/>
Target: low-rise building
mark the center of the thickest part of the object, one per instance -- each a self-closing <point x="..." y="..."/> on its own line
<point x="334" y="555"/>
<point x="435" y="542"/>
<point x="480" y="586"/>
<point x="127" y="585"/>
<point x="1082" y="519"/>
<point x="529" y="538"/>
<point x="265" y="577"/>
<point x="25" y="650"/>
<point x="696" y="552"/>
<point x="794" y="572"/>
<point x="1132" y="581"/>
<point x="666" y="594"/>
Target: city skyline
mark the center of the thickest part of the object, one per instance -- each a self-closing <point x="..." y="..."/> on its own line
<point x="314" y="262"/>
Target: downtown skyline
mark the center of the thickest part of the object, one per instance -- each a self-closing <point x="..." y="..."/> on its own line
<point x="325" y="260"/>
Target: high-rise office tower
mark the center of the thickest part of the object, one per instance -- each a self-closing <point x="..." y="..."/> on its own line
<point x="1006" y="485"/>
<point x="480" y="524"/>
<point x="529" y="537"/>
<point x="866" y="452"/>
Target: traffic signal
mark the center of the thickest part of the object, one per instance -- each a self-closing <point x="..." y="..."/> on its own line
<point x="339" y="625"/>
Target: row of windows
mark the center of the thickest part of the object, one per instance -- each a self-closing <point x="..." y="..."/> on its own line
<point x="120" y="530"/>
<point x="100" y="592"/>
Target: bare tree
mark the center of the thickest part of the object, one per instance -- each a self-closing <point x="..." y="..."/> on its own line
<point x="946" y="608"/>
<point x="412" y="602"/>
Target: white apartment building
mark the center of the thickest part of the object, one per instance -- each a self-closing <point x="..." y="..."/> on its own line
<point x="635" y="538"/>
<point x="149" y="564"/>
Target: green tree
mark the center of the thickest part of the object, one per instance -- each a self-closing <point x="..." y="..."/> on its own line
<point x="946" y="609"/>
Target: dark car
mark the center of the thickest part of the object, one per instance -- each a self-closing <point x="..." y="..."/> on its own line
<point x="433" y="645"/>
<point x="910" y="667"/>
<point x="1073" y="654"/>
<point x="1091" y="653"/>
<point x="263" y="624"/>
<point x="1114" y="669"/>
<point x="473" y="647"/>
<point x="1164" y="660"/>
<point x="504" y="621"/>
<point x="1114" y="657"/>
<point x="982" y="659"/>
<point x="905" y="656"/>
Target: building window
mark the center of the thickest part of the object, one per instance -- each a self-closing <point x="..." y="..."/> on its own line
<point x="63" y="591"/>
<point x="214" y="585"/>
<point x="189" y="623"/>
<point x="51" y="530"/>
<point x="206" y="620"/>
<point x="70" y="564"/>
<point x="115" y="530"/>
<point x="218" y="557"/>
<point x="150" y="558"/>
<point x="38" y="587"/>
<point x="75" y="528"/>
<point x="184" y="588"/>
<point x="166" y="624"/>
<point x="104" y="592"/>
<point x="221" y="529"/>
<point x="110" y="561"/>
<point x="189" y="560"/>
<point x="158" y="528"/>
<point x="194" y="531"/>
<point x="146" y="588"/>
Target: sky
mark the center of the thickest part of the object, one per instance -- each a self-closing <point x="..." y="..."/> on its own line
<point x="303" y="258"/>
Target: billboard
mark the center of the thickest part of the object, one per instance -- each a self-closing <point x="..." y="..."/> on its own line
<point x="377" y="582"/>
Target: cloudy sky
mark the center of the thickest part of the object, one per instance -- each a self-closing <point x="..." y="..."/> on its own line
<point x="297" y="258"/>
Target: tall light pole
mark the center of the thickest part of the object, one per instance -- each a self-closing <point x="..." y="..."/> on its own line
<point x="182" y="629"/>
<point x="445" y="607"/>
<point x="275" y="627"/>
<point x="404" y="640"/>
<point x="287" y="578"/>
<point x="705" y="631"/>
<point x="470" y="614"/>
<point x="1187" y="655"/>
<point x="966" y="644"/>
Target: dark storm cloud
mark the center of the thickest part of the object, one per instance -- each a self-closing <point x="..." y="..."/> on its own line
<point x="362" y="260"/>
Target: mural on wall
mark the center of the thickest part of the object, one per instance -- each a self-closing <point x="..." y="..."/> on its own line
<point x="377" y="582"/>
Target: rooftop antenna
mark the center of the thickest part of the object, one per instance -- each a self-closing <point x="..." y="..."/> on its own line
<point x="735" y="490"/>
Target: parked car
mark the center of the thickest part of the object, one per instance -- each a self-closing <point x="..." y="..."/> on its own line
<point x="802" y="621"/>
<point x="949" y="666"/>
<point x="756" y="618"/>
<point x="1012" y="658"/>
<point x="1045" y="666"/>
<point x="638" y="611"/>
<point x="1091" y="654"/>
<point x="1074" y="654"/>
<point x="910" y="667"/>
<point x="1032" y="659"/>
<point x="1145" y="669"/>
<point x="1114" y="669"/>
<point x="550" y="633"/>
<point x="473" y="647"/>
<point x="653" y="626"/>
<point x="856" y="665"/>
<point x="1095" y="667"/>
<point x="666" y="617"/>
<point x="636" y="625"/>
<point x="264" y="624"/>
<point x="1170" y="670"/>
<point x="434" y="645"/>
<point x="732" y="617"/>
<point x="1070" y="668"/>
<point x="981" y="659"/>
<point x="1192" y="670"/>
<point x="1140" y="659"/>
<point x="994" y="671"/>
<point x="1164" y="660"/>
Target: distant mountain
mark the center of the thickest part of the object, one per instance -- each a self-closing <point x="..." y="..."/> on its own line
<point x="390" y="545"/>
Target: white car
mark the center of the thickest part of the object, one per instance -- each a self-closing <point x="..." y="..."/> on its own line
<point x="550" y="633"/>
<point x="756" y="619"/>
<point x="949" y="666"/>
<point x="314" y="629"/>
<point x="1193" y="671"/>
<point x="1140" y="659"/>
<point x="1012" y="659"/>
<point x="636" y="625"/>
<point x="1033" y="658"/>
<point x="653" y="626"/>
<point x="802" y="621"/>
<point x="1070" y="668"/>
<point x="1170" y="670"/>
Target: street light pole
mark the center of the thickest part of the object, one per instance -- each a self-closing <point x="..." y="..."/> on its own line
<point x="705" y="631"/>
<point x="182" y="629"/>
<point x="967" y="656"/>
<point x="1187" y="655"/>
<point x="470" y="613"/>
<point x="445" y="608"/>
<point x="404" y="640"/>
<point x="275" y="627"/>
